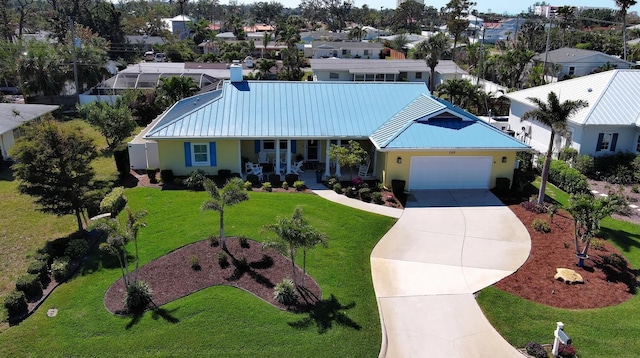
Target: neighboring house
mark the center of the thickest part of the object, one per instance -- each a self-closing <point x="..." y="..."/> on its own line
<point x="409" y="134"/>
<point x="345" y="49"/>
<point x="310" y="36"/>
<point x="576" y="62"/>
<point x="12" y="116"/>
<point x="145" y="41"/>
<point x="331" y="69"/>
<point x="610" y="124"/>
<point x="177" y="25"/>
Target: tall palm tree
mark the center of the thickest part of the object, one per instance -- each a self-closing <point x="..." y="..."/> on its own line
<point x="266" y="38"/>
<point x="624" y="6"/>
<point x="433" y="49"/>
<point x="232" y="193"/>
<point x="264" y="68"/>
<point x="357" y="33"/>
<point x="176" y="88"/>
<point x="555" y="115"/>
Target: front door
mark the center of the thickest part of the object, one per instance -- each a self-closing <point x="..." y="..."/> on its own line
<point x="312" y="151"/>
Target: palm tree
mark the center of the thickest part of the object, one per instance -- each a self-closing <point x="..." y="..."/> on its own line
<point x="555" y="115"/>
<point x="566" y="14"/>
<point x="266" y="38"/>
<point x="264" y="68"/>
<point x="176" y="88"/>
<point x="433" y="49"/>
<point x="357" y="33"/>
<point x="232" y="193"/>
<point x="624" y="5"/>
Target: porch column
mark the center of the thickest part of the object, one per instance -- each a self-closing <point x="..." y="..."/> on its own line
<point x="277" y="163"/>
<point x="338" y="174"/>
<point x="288" y="156"/>
<point x="373" y="159"/>
<point x="327" y="160"/>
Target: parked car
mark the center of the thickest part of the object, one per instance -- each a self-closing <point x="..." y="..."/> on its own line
<point x="149" y="56"/>
<point x="161" y="57"/>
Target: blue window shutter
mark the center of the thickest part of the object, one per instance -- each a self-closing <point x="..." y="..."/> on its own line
<point x="599" y="144"/>
<point x="614" y="141"/>
<point x="187" y="154"/>
<point x="212" y="154"/>
<point x="256" y="146"/>
<point x="294" y="147"/>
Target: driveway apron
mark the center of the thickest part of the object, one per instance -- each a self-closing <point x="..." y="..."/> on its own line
<point x="446" y="245"/>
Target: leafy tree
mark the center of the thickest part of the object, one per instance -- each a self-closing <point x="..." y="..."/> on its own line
<point x="293" y="234"/>
<point x="399" y="42"/>
<point x="53" y="163"/>
<point x="588" y="212"/>
<point x="432" y="50"/>
<point x="232" y="193"/>
<point x="266" y="12"/>
<point x="455" y="14"/>
<point x="41" y="70"/>
<point x="410" y="14"/>
<point x="348" y="156"/>
<point x="113" y="122"/>
<point x="554" y="115"/>
<point x="567" y="17"/>
<point x="624" y="6"/>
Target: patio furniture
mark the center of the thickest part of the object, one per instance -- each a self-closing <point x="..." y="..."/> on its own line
<point x="297" y="167"/>
<point x="262" y="157"/>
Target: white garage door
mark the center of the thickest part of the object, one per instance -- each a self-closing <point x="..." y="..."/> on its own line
<point x="450" y="172"/>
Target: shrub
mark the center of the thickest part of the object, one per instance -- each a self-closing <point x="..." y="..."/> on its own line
<point x="357" y="181"/>
<point x="266" y="186"/>
<point x="567" y="351"/>
<point x="503" y="184"/>
<point x="138" y="296"/>
<point x="224" y="174"/>
<point x="291" y="179"/>
<point x="567" y="178"/>
<point x="616" y="261"/>
<point x="121" y="156"/>
<point x="377" y="198"/>
<point x="285" y="185"/>
<point x="285" y="292"/>
<point x="166" y="175"/>
<point x="597" y="244"/>
<point x="568" y="155"/>
<point x="351" y="192"/>
<point x="536" y="350"/>
<point x="151" y="174"/>
<point x="195" y="263"/>
<point x="299" y="185"/>
<point x="195" y="181"/>
<point x="243" y="240"/>
<point x="332" y="181"/>
<point x="15" y="303"/>
<point x="337" y="187"/>
<point x="114" y="202"/>
<point x="253" y="179"/>
<point x="29" y="284"/>
<point x="39" y="268"/>
<point x="248" y="186"/>
<point x="584" y="164"/>
<point x="274" y="179"/>
<point x="541" y="226"/>
<point x="365" y="194"/>
<point x="533" y="206"/>
<point x="60" y="268"/>
<point x="213" y="241"/>
<point x="223" y="260"/>
<point x="76" y="248"/>
<point x="43" y="256"/>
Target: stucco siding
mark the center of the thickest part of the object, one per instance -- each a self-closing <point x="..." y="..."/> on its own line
<point x="627" y="137"/>
<point x="172" y="156"/>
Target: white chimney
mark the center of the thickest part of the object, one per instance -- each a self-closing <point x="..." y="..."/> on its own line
<point x="235" y="71"/>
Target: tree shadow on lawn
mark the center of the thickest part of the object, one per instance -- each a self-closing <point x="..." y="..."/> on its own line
<point x="325" y="313"/>
<point x="156" y="313"/>
<point x="624" y="239"/>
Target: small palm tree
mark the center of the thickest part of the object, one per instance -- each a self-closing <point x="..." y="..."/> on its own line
<point x="232" y="193"/>
<point x="433" y="49"/>
<point x="555" y="115"/>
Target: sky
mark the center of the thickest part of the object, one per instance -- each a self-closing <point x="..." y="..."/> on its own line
<point x="497" y="6"/>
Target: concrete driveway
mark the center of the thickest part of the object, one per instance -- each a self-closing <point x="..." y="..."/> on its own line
<point x="446" y="246"/>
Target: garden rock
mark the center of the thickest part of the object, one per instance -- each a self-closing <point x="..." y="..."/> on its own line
<point x="568" y="276"/>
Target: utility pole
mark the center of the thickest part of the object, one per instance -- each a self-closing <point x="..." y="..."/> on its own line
<point x="546" y="51"/>
<point x="75" y="60"/>
<point x="480" y="70"/>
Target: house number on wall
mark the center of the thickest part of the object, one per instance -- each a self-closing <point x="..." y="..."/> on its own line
<point x="452" y="152"/>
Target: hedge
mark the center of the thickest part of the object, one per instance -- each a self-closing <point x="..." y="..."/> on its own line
<point x="114" y="202"/>
<point x="567" y="178"/>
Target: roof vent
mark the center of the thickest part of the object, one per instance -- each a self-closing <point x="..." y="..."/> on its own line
<point x="235" y="71"/>
<point x="589" y="89"/>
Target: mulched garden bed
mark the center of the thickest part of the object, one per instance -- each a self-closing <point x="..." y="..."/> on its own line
<point x="172" y="277"/>
<point x="535" y="281"/>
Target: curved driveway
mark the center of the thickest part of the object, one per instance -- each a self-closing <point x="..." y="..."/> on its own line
<point x="446" y="246"/>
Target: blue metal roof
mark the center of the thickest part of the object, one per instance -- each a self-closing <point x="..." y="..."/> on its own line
<point x="396" y="115"/>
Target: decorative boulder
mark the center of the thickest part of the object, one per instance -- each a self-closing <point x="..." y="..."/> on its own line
<point x="568" y="276"/>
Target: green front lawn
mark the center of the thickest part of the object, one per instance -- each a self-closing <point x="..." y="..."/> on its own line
<point x="603" y="332"/>
<point x="217" y="321"/>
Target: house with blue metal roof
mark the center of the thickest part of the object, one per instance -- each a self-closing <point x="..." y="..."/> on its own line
<point x="408" y="134"/>
<point x="610" y="124"/>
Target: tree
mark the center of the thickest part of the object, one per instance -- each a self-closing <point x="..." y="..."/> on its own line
<point x="410" y="14"/>
<point x="554" y="115"/>
<point x="266" y="38"/>
<point x="264" y="69"/>
<point x="232" y="193"/>
<point x="357" y="33"/>
<point x="41" y="70"/>
<point x="53" y="163"/>
<point x="433" y="49"/>
<point x="266" y="12"/>
<point x="199" y="31"/>
<point x="455" y="14"/>
<point x="566" y="15"/>
<point x="588" y="212"/>
<point x="624" y="6"/>
<point x="348" y="156"/>
<point x="114" y="122"/>
<point x="175" y="88"/>
<point x="293" y="234"/>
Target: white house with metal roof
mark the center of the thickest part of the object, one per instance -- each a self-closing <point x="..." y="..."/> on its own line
<point x="610" y="124"/>
<point x="409" y="134"/>
<point x="12" y="116"/>
<point x="343" y="49"/>
<point x="577" y="62"/>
